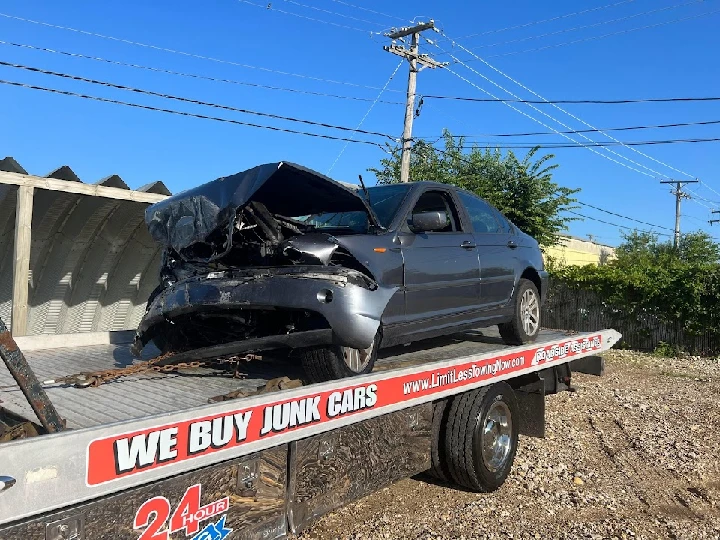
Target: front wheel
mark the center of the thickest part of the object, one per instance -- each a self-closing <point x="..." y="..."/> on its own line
<point x="332" y="362"/>
<point x="525" y="324"/>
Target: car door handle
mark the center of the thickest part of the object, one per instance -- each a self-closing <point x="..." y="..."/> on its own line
<point x="511" y="244"/>
<point x="6" y="482"/>
<point x="467" y="244"/>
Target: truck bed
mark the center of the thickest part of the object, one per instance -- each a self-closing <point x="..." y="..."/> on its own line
<point x="140" y="396"/>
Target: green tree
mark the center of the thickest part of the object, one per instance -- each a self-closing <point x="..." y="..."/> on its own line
<point x="644" y="248"/>
<point x="699" y="248"/>
<point x="522" y="189"/>
<point x="651" y="285"/>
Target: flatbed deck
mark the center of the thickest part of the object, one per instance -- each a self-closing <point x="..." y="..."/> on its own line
<point x="146" y="430"/>
<point x="140" y="396"/>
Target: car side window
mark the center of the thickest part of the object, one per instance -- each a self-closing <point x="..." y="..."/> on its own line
<point x="438" y="201"/>
<point x="481" y="215"/>
<point x="505" y="225"/>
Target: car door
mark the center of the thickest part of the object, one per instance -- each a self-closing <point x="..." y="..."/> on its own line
<point x="442" y="274"/>
<point x="496" y="250"/>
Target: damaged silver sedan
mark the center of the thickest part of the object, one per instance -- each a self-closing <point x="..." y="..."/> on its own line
<point x="280" y="256"/>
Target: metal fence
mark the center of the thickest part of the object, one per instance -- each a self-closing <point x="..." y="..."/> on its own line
<point x="584" y="311"/>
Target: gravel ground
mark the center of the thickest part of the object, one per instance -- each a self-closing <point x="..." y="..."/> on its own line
<point x="634" y="454"/>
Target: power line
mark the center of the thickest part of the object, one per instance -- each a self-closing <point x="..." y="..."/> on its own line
<point x="576" y="118"/>
<point x="594" y="144"/>
<point x="622" y="216"/>
<point x="193" y="101"/>
<point x="630" y="147"/>
<point x="603" y="36"/>
<point x="707" y="200"/>
<point x="575" y="101"/>
<point x="188" y="54"/>
<point x="335" y="13"/>
<point x="377" y="12"/>
<point x="543" y="113"/>
<point x="615" y="224"/>
<point x="182" y="113"/>
<point x="554" y="119"/>
<point x="525" y="25"/>
<point x="535" y="119"/>
<point x="593" y="25"/>
<point x="270" y="7"/>
<point x="194" y="75"/>
<point x="362" y="120"/>
<point x="598" y="130"/>
<point x="555" y="106"/>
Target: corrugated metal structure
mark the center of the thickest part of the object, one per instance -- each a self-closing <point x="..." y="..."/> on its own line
<point x="90" y="262"/>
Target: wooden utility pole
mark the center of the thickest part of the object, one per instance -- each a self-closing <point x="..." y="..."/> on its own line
<point x="679" y="196"/>
<point x="413" y="56"/>
<point x="714" y="220"/>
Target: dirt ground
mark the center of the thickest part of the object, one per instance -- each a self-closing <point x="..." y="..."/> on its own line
<point x="634" y="454"/>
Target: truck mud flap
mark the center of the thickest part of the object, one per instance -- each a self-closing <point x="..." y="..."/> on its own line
<point x="590" y="365"/>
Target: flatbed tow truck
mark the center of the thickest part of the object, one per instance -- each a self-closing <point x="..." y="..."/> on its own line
<point x="206" y="453"/>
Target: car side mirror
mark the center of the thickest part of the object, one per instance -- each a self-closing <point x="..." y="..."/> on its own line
<point x="429" y="221"/>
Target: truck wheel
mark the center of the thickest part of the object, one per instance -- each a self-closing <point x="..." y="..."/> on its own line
<point x="481" y="437"/>
<point x="525" y="324"/>
<point x="438" y="462"/>
<point x="332" y="362"/>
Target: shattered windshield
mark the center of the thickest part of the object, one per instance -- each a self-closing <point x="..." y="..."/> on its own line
<point x="384" y="200"/>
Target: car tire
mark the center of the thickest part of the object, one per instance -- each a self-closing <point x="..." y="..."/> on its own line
<point x="481" y="437"/>
<point x="330" y="362"/>
<point x="524" y="326"/>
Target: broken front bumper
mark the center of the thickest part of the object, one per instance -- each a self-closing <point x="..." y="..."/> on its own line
<point x="352" y="311"/>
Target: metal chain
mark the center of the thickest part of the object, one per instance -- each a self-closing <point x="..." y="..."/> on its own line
<point x="96" y="378"/>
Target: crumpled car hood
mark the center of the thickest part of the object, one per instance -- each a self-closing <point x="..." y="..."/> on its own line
<point x="284" y="188"/>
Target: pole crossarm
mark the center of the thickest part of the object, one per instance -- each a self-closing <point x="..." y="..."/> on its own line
<point x="398" y="33"/>
<point x="423" y="59"/>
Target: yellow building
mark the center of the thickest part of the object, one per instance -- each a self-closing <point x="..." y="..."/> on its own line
<point x="579" y="252"/>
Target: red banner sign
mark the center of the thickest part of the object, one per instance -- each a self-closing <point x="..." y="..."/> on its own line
<point x="115" y="457"/>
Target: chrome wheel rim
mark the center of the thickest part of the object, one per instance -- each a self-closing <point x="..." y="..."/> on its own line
<point x="496" y="437"/>
<point x="530" y="312"/>
<point x="357" y="359"/>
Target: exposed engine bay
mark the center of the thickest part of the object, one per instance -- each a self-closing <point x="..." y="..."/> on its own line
<point x="257" y="238"/>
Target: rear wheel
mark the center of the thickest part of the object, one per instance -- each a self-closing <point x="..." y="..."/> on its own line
<point x="525" y="324"/>
<point x="481" y="437"/>
<point x="332" y="362"/>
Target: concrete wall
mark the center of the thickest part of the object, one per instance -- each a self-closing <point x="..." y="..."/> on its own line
<point x="579" y="252"/>
<point x="92" y="261"/>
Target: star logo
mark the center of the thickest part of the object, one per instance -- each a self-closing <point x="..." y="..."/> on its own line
<point x="214" y="531"/>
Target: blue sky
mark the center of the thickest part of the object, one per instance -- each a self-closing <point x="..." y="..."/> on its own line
<point x="43" y="131"/>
